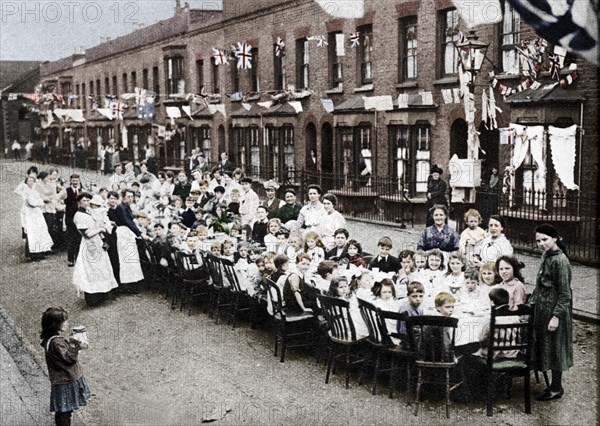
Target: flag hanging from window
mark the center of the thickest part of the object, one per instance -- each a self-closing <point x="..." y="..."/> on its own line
<point x="219" y="56"/>
<point x="279" y="47"/>
<point x="554" y="67"/>
<point x="319" y="39"/>
<point x="569" y="23"/>
<point x="355" y="39"/>
<point x="243" y="53"/>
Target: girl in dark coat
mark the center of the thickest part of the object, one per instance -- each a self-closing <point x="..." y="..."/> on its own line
<point x="552" y="298"/>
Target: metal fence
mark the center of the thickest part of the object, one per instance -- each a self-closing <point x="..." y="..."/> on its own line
<point x="388" y="199"/>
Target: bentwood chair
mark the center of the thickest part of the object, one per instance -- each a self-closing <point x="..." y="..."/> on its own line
<point x="239" y="299"/>
<point x="289" y="330"/>
<point x="511" y="332"/>
<point x="434" y="338"/>
<point x="344" y="345"/>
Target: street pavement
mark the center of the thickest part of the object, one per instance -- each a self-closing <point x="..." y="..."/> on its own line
<point x="24" y="385"/>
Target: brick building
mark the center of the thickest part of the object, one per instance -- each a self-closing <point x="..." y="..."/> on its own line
<point x="404" y="48"/>
<point x="17" y="122"/>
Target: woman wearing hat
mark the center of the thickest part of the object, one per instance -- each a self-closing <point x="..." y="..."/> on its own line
<point x="436" y="192"/>
<point x="552" y="298"/>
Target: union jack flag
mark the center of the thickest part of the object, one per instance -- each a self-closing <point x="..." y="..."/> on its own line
<point x="243" y="53"/>
<point x="319" y="39"/>
<point x="279" y="47"/>
<point x="117" y="110"/>
<point x="219" y="56"/>
<point x="355" y="39"/>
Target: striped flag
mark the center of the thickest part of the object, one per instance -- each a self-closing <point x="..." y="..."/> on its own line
<point x="568" y="23"/>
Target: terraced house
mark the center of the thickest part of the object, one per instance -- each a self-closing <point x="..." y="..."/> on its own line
<point x="364" y="106"/>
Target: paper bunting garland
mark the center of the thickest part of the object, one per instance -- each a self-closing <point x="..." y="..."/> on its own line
<point x="279" y="47"/>
<point x="355" y="39"/>
<point x="243" y="53"/>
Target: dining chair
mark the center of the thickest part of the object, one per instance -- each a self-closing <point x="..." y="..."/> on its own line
<point x="289" y="330"/>
<point x="509" y="350"/>
<point x="344" y="345"/>
<point x="434" y="339"/>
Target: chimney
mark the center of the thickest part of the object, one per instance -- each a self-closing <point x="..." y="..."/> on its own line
<point x="177" y="7"/>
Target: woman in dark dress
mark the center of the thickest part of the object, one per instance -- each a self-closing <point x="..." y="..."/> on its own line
<point x="436" y="192"/>
<point x="552" y="299"/>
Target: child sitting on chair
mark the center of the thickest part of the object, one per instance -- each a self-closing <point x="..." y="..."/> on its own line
<point x="411" y="305"/>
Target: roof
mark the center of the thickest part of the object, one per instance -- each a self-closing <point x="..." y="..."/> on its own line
<point x="550" y="93"/>
<point x="179" y="24"/>
<point x="13" y="72"/>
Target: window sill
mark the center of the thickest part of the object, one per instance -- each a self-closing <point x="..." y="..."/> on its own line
<point x="407" y="85"/>
<point x="336" y="91"/>
<point x="453" y="79"/>
<point x="503" y="76"/>
<point x="365" y="88"/>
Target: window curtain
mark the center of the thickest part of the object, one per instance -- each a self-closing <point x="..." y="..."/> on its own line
<point x="563" y="150"/>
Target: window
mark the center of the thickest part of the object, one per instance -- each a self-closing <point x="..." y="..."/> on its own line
<point x="216" y="84"/>
<point x="98" y="89"/>
<point x="107" y="86"/>
<point x="145" y="82"/>
<point x="78" y="98"/>
<point x="65" y="88"/>
<point x="364" y="51"/>
<point x="91" y="89"/>
<point x="133" y="80"/>
<point x="302" y="77"/>
<point x="253" y="72"/>
<point x="353" y="151"/>
<point x="125" y="85"/>
<point x="510" y="40"/>
<point x="115" y="86"/>
<point x="279" y="69"/>
<point x="156" y="83"/>
<point x="423" y="155"/>
<point x="174" y="75"/>
<point x="448" y="35"/>
<point x="201" y="140"/>
<point x="199" y="75"/>
<point x="288" y="155"/>
<point x="408" y="49"/>
<point x="400" y="155"/>
<point x="335" y="66"/>
<point x="83" y="97"/>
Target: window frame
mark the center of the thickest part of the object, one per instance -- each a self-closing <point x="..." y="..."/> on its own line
<point x="279" y="77"/>
<point x="364" y="55"/>
<point x="506" y="45"/>
<point x="175" y="74"/>
<point x="405" y="50"/>
<point x="335" y="69"/>
<point x="302" y="63"/>
<point x="446" y="44"/>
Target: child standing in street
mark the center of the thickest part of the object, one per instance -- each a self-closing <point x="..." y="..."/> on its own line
<point x="69" y="390"/>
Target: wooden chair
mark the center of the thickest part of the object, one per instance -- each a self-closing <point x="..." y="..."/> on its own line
<point x="404" y="352"/>
<point x="342" y="335"/>
<point x="434" y="339"/>
<point x="294" y="330"/>
<point x="240" y="301"/>
<point x="218" y="288"/>
<point x="194" y="279"/>
<point x="509" y="331"/>
<point x="375" y="340"/>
